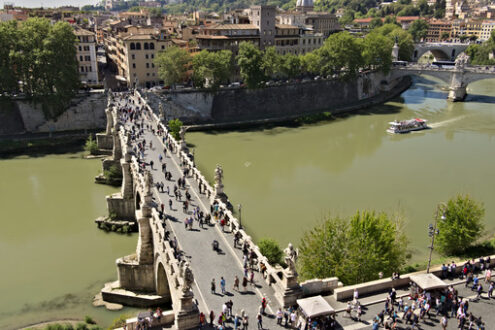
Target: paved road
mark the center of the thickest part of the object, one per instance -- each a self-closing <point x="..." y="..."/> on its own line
<point x="196" y="244"/>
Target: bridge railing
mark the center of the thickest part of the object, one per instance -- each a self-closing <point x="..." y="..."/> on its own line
<point x="196" y="174"/>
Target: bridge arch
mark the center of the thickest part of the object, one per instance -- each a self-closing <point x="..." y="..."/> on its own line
<point x="161" y="280"/>
<point x="138" y="200"/>
<point x="441" y="51"/>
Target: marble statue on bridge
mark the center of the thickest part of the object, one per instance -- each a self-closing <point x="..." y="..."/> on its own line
<point x="291" y="256"/>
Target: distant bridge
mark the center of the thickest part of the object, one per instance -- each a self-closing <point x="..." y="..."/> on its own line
<point x="442" y="51"/>
<point x="457" y="77"/>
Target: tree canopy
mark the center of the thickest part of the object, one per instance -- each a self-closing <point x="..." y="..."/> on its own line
<point x="354" y="249"/>
<point x="172" y="65"/>
<point x="480" y="54"/>
<point x="418" y="29"/>
<point x="250" y="62"/>
<point x="39" y="59"/>
<point x="214" y="67"/>
<point x="462" y="226"/>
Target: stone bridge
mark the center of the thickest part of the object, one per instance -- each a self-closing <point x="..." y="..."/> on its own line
<point x="457" y="78"/>
<point x="167" y="255"/>
<point x="442" y="51"/>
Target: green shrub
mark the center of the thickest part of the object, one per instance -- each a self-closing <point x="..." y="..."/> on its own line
<point x="175" y="125"/>
<point x="114" y="228"/>
<point x="91" y="147"/>
<point x="113" y="175"/>
<point x="81" y="326"/>
<point x="120" y="321"/>
<point x="271" y="250"/>
<point x="105" y="227"/>
<point x="125" y="229"/>
<point x="89" y="320"/>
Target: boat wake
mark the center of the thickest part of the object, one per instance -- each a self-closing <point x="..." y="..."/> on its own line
<point x="446" y="122"/>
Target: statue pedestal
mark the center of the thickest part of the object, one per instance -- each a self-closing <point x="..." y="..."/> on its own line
<point x="291" y="290"/>
<point x="188" y="315"/>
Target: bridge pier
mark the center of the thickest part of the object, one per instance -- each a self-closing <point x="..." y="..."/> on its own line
<point x="457" y="93"/>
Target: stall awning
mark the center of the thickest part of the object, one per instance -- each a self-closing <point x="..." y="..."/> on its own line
<point x="428" y="281"/>
<point x="315" y="306"/>
<point x="118" y="77"/>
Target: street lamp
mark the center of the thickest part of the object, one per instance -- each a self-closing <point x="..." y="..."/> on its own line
<point x="434" y="231"/>
<point x="239" y="207"/>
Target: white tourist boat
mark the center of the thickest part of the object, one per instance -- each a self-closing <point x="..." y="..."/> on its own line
<point x="404" y="126"/>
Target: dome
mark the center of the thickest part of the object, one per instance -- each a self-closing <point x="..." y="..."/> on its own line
<point x="304" y="3"/>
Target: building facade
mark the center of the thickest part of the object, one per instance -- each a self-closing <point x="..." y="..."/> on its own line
<point x="86" y="56"/>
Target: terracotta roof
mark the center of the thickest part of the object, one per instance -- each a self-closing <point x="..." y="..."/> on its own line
<point x="83" y="32"/>
<point x="233" y="27"/>
<point x="407" y="18"/>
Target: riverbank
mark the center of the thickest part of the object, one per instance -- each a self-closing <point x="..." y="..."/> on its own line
<point x="314" y="117"/>
<point x="37" y="144"/>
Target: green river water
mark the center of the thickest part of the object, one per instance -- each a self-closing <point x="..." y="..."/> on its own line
<point x="54" y="259"/>
<point x="287" y="179"/>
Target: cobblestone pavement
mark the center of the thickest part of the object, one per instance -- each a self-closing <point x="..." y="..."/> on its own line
<point x="484" y="308"/>
<point x="196" y="245"/>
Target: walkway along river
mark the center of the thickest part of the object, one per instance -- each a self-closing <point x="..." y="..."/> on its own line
<point x="289" y="178"/>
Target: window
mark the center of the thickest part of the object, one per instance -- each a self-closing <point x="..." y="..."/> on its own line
<point x="163" y="46"/>
<point x="146" y="56"/>
<point x="146" y="46"/>
<point x="80" y="48"/>
<point x="133" y="46"/>
<point x="138" y="45"/>
<point x="82" y="69"/>
<point x="147" y="65"/>
<point x="152" y="65"/>
<point x="133" y="65"/>
<point x="81" y="58"/>
<point x="147" y="74"/>
<point x="86" y="48"/>
<point x="87" y="58"/>
<point x="133" y="56"/>
<point x="152" y="55"/>
<point x="152" y="45"/>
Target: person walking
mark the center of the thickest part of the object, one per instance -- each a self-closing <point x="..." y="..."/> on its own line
<point x="213" y="286"/>
<point x="236" y="284"/>
<point x="212" y="318"/>
<point x="260" y="321"/>
<point x="280" y="315"/>
<point x="244" y="283"/>
<point x="222" y="285"/>
<point x="245" y="322"/>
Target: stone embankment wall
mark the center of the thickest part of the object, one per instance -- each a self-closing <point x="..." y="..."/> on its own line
<point x="87" y="111"/>
<point x="277" y="102"/>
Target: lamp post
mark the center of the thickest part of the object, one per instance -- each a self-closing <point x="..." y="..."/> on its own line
<point x="434" y="231"/>
<point x="239" y="208"/>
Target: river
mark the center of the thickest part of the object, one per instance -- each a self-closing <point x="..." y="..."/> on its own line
<point x="54" y="259"/>
<point x="288" y="179"/>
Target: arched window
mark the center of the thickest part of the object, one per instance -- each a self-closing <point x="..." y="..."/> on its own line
<point x="152" y="45"/>
<point x="146" y="46"/>
<point x="138" y="45"/>
<point x="133" y="46"/>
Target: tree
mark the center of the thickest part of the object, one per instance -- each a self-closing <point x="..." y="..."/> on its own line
<point x="445" y="36"/>
<point x="271" y="250"/>
<point x="310" y="63"/>
<point x="463" y="38"/>
<point x="8" y="46"/>
<point x="376" y="22"/>
<point x="341" y="51"/>
<point x="175" y="125"/>
<point x="291" y="66"/>
<point x="418" y="29"/>
<point x="462" y="226"/>
<point x="406" y="44"/>
<point x="272" y="62"/>
<point x="172" y="65"/>
<point x="216" y="67"/>
<point x="40" y="59"/>
<point x="250" y="61"/>
<point x="354" y="249"/>
<point x="377" y="52"/>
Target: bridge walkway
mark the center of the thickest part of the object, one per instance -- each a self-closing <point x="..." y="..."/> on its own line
<point x="196" y="244"/>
